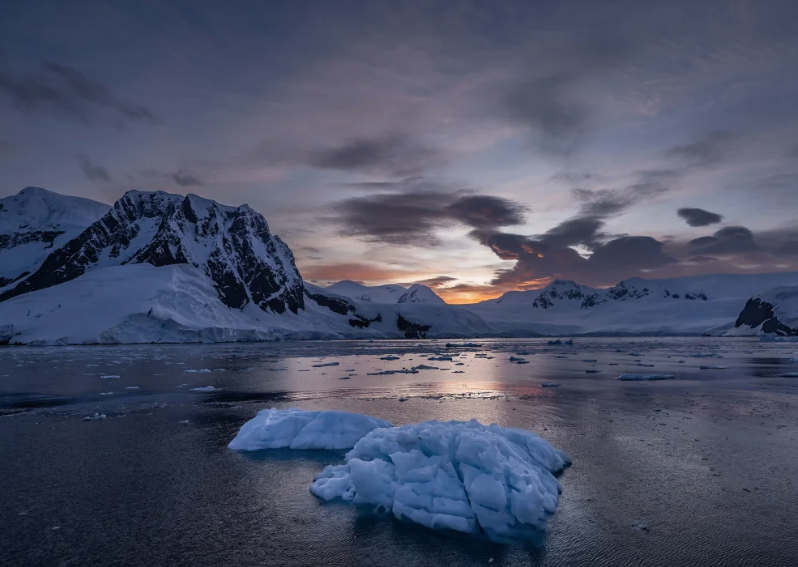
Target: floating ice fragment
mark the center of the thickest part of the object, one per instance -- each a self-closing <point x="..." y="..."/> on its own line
<point x="390" y="357"/>
<point x="711" y="367"/>
<point x="788" y="375"/>
<point x="550" y="384"/>
<point x="324" y="364"/>
<point x="95" y="417"/>
<point x="205" y="389"/>
<point x="640" y="377"/>
<point x="461" y="476"/>
<point x="131" y="387"/>
<point x="300" y="429"/>
<point x="197" y="371"/>
<point x="109" y="376"/>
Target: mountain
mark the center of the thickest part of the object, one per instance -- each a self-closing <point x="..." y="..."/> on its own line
<point x="689" y="305"/>
<point x="390" y="293"/>
<point x="774" y="311"/>
<point x="232" y="246"/>
<point x="158" y="267"/>
<point x="36" y="221"/>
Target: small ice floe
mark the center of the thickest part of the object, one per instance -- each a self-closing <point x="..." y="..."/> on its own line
<point x="441" y="358"/>
<point x="613" y="364"/>
<point x="711" y="367"/>
<point x="92" y="365"/>
<point x="592" y="371"/>
<point x="184" y="422"/>
<point x="462" y="345"/>
<point x="325" y="364"/>
<point x="550" y="384"/>
<point x="640" y="377"/>
<point x="560" y="356"/>
<point x="589" y="360"/>
<point x="643" y="364"/>
<point x="459" y="363"/>
<point x="402" y="399"/>
<point x="390" y="357"/>
<point x="106" y="393"/>
<point x="205" y="389"/>
<point x="425" y="367"/>
<point x="131" y="387"/>
<point x="704" y="355"/>
<point x="517" y="360"/>
<point x="458" y="372"/>
<point x="788" y="375"/>
<point x="349" y="369"/>
<point x="794" y="359"/>
<point x="197" y="371"/>
<point x="300" y="429"/>
<point x="479" y="479"/>
<point x="524" y="353"/>
<point x="389" y="372"/>
<point x="344" y="378"/>
<point x="640" y="526"/>
<point x="109" y="376"/>
<point x="95" y="417"/>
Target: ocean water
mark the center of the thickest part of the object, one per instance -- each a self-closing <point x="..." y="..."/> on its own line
<point x="707" y="462"/>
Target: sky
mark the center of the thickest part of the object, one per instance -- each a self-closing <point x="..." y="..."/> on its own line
<point x="477" y="147"/>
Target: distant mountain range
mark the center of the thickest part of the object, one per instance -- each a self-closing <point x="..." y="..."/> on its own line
<point x="158" y="267"/>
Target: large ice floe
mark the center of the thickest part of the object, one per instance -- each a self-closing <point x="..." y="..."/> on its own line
<point x="299" y="429"/>
<point x="461" y="476"/>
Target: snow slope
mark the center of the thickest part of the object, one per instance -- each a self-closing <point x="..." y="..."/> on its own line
<point x="461" y="476"/>
<point x="34" y="222"/>
<point x="390" y="293"/>
<point x="691" y="305"/>
<point x="141" y="303"/>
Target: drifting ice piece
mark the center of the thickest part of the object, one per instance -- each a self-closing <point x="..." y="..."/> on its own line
<point x="299" y="429"/>
<point x="462" y="476"/>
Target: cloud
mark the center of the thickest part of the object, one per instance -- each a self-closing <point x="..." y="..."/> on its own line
<point x="65" y="91"/>
<point x="698" y="217"/>
<point x="729" y="240"/>
<point x="412" y="218"/>
<point x="607" y="202"/>
<point x="705" y="152"/>
<point x="395" y="154"/>
<point x="185" y="179"/>
<point x="93" y="171"/>
<point x="351" y="271"/>
<point x="436" y="282"/>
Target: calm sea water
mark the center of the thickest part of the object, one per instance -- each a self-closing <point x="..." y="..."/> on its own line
<point x="707" y="462"/>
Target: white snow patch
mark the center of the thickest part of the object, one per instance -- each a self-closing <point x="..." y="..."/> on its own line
<point x="205" y="389"/>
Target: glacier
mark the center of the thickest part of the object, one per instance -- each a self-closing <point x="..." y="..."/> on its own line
<point x="461" y="476"/>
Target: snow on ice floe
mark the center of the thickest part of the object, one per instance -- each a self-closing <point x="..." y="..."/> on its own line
<point x="641" y="377"/>
<point x="197" y="371"/>
<point x="109" y="376"/>
<point x="95" y="417"/>
<point x="461" y="476"/>
<point x="205" y="389"/>
<point x="300" y="429"/>
<point x="325" y="364"/>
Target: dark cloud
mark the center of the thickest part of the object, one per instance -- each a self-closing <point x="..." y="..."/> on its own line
<point x="413" y="217"/>
<point x="538" y="261"/>
<point x="705" y="152"/>
<point x="394" y="154"/>
<point x="698" y="217"/>
<point x="65" y="91"/>
<point x="729" y="240"/>
<point x="577" y="231"/>
<point x="185" y="179"/>
<point x="93" y="171"/>
<point x="606" y="202"/>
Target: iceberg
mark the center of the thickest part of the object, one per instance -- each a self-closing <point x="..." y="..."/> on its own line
<point x="455" y="475"/>
<point x="300" y="429"/>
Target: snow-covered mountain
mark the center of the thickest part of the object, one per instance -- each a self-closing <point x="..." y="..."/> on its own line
<point x="34" y="222"/>
<point x="774" y="311"/>
<point x="232" y="246"/>
<point x="167" y="268"/>
<point x="689" y="305"/>
<point x="390" y="293"/>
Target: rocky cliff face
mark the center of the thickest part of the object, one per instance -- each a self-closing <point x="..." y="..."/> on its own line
<point x="774" y="312"/>
<point x="233" y="246"/>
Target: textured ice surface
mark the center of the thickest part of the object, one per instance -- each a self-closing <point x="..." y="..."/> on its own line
<point x="462" y="476"/>
<point x="299" y="429"/>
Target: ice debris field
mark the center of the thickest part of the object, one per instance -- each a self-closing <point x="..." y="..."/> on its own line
<point x="461" y="476"/>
